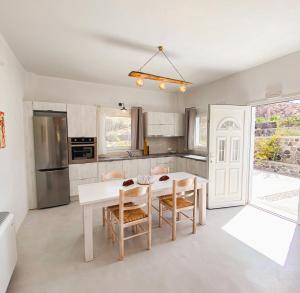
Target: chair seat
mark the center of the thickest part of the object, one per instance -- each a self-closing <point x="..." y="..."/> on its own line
<point x="164" y="196"/>
<point x="130" y="215"/>
<point x="180" y="202"/>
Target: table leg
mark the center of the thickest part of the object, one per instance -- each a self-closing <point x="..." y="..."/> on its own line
<point x="88" y="232"/>
<point x="202" y="204"/>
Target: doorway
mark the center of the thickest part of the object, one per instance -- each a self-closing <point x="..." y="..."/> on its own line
<point x="275" y="166"/>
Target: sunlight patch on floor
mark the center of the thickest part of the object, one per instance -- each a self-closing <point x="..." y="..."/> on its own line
<point x="266" y="233"/>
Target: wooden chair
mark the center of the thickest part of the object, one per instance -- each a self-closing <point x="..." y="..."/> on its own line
<point x="160" y="170"/>
<point x="129" y="214"/>
<point x="183" y="198"/>
<point x="113" y="175"/>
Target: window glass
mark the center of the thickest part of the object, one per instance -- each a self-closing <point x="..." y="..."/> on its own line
<point x="235" y="148"/>
<point x="221" y="149"/>
<point x="117" y="132"/>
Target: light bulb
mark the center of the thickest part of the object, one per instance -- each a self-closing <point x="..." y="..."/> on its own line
<point x="139" y="82"/>
<point x="182" y="88"/>
<point x="162" y="86"/>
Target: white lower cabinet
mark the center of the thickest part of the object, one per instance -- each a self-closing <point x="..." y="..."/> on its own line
<point x="74" y="184"/>
<point x="105" y="167"/>
<point x="196" y="167"/>
<point x="164" y="161"/>
<point x="92" y="172"/>
<point x="181" y="164"/>
<point x="130" y="168"/>
<point x="144" y="166"/>
<point x="82" y="174"/>
<point x="83" y="171"/>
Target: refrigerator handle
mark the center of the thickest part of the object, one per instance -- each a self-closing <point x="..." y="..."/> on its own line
<point x="53" y="169"/>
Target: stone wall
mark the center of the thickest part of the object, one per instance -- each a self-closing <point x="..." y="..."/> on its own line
<point x="290" y="150"/>
<point x="279" y="167"/>
<point x="288" y="160"/>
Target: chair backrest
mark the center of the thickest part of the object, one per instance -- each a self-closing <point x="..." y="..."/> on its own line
<point x="113" y="175"/>
<point x="144" y="194"/>
<point x="184" y="188"/>
<point x="158" y="170"/>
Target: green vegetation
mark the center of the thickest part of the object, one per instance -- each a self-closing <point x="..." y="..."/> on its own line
<point x="281" y="121"/>
<point x="267" y="148"/>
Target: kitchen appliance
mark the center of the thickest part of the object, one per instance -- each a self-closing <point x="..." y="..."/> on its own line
<point x="82" y="150"/>
<point x="51" y="158"/>
<point x="8" y="249"/>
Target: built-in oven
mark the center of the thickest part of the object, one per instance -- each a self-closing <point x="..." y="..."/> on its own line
<point x="82" y="150"/>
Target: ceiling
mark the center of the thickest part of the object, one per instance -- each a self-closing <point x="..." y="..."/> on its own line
<point x="101" y="41"/>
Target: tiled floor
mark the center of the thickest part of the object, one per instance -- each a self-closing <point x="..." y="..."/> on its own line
<point x="240" y="250"/>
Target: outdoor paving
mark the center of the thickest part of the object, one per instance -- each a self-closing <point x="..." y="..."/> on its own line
<point x="276" y="192"/>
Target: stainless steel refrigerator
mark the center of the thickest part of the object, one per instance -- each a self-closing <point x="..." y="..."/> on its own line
<point x="51" y="158"/>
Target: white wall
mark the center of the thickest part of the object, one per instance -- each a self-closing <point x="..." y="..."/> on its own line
<point x="13" y="189"/>
<point x="51" y="89"/>
<point x="251" y="85"/>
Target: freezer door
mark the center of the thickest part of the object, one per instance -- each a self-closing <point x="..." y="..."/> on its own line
<point x="50" y="140"/>
<point x="53" y="187"/>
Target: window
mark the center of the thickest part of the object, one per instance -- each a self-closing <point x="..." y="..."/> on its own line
<point x="201" y="130"/>
<point x="117" y="130"/>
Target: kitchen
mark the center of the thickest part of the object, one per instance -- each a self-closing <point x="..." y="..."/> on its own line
<point x="164" y="131"/>
<point x="126" y="145"/>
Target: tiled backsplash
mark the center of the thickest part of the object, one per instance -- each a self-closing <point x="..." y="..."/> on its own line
<point x="159" y="145"/>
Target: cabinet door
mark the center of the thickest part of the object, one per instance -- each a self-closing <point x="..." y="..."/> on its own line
<point x="83" y="171"/>
<point x="101" y="169"/>
<point x="157" y="118"/>
<point x="202" y="169"/>
<point x="90" y="121"/>
<point x="74" y="184"/>
<point x="130" y="167"/>
<point x="181" y="165"/>
<point x="144" y="166"/>
<point x="167" y="129"/>
<point x="45" y="106"/>
<point x="164" y="161"/>
<point x="179" y="124"/>
<point x="162" y="129"/>
<point x="82" y="120"/>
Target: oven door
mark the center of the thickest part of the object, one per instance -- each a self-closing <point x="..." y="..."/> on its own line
<point x="82" y="153"/>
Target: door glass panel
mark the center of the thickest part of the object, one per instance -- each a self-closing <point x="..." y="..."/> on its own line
<point x="235" y="149"/>
<point x="221" y="149"/>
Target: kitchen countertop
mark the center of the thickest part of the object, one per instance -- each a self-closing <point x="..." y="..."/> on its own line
<point x="181" y="155"/>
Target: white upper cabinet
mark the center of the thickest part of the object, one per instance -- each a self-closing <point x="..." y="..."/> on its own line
<point x="45" y="106"/>
<point x="160" y="118"/>
<point x="82" y="120"/>
<point x="179" y="124"/>
<point x="164" y="124"/>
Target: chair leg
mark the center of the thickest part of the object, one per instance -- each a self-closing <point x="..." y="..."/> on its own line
<point x="104" y="216"/>
<point x="160" y="214"/>
<point x="174" y="225"/>
<point x="149" y="234"/>
<point x="121" y="242"/>
<point x="194" y="221"/>
<point x="108" y="220"/>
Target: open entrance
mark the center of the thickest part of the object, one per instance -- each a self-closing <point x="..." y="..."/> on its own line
<point x="276" y="162"/>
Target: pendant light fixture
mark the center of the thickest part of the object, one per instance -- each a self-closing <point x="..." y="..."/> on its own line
<point x="141" y="76"/>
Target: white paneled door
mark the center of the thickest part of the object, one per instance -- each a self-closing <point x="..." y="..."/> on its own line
<point x="229" y="154"/>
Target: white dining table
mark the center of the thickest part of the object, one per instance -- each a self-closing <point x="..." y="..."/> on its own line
<point x="103" y="194"/>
